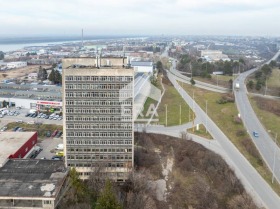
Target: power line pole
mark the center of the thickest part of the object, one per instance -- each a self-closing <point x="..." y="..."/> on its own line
<point x="180" y="114"/>
<point x="273" y="168"/>
<point x="193" y="111"/>
<point x="206" y="117"/>
<point x="166" y="115"/>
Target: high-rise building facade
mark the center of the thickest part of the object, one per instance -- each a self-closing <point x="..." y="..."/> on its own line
<point x="98" y="119"/>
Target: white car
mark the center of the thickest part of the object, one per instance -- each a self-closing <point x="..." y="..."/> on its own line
<point x="4" y="128"/>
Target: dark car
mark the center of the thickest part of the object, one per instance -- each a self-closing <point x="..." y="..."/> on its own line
<point x="46" y="117"/>
<point x="27" y="115"/>
<point x="56" y="158"/>
<point x="58" y="134"/>
<point x="16" y="128"/>
<point x="48" y="134"/>
<point x="34" y="115"/>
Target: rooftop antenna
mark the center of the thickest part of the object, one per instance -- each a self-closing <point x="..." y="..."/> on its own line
<point x="123" y="54"/>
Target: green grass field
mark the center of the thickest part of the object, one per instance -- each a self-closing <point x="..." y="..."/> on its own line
<point x="274" y="79"/>
<point x="172" y="101"/>
<point x="201" y="132"/>
<point x="270" y="121"/>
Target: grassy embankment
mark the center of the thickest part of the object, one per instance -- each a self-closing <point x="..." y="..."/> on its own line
<point x="225" y="116"/>
<point x="41" y="129"/>
<point x="219" y="80"/>
<point x="268" y="112"/>
<point x="172" y="100"/>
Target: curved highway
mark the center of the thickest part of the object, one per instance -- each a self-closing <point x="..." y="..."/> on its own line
<point x="264" y="143"/>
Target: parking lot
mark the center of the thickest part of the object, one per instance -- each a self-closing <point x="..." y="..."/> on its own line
<point x="48" y="144"/>
<point x="21" y="117"/>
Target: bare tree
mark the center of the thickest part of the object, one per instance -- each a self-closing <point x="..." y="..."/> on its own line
<point x="138" y="193"/>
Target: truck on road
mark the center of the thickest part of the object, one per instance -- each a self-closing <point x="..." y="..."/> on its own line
<point x="237" y="86"/>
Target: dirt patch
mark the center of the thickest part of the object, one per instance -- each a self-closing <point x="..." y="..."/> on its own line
<point x="269" y="105"/>
<point x="193" y="178"/>
<point x="20" y="73"/>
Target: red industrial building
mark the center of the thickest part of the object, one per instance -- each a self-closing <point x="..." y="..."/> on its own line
<point x="16" y="145"/>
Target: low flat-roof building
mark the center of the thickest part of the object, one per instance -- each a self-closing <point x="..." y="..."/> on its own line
<point x="16" y="145"/>
<point x="29" y="183"/>
<point x="11" y="65"/>
<point x="142" y="66"/>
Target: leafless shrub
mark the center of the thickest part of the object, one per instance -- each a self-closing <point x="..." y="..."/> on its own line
<point x="251" y="149"/>
<point x="237" y="120"/>
<point x="240" y="133"/>
<point x="242" y="201"/>
<point x="138" y="194"/>
<point x="269" y="105"/>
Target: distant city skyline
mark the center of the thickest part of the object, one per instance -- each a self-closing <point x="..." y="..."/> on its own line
<point x="135" y="17"/>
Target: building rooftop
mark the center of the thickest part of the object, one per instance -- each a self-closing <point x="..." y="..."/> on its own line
<point x="10" y="142"/>
<point x="141" y="63"/>
<point x="32" y="178"/>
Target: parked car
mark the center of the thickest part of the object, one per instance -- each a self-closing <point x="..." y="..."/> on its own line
<point x="56" y="158"/>
<point x="58" y="134"/>
<point x="16" y="128"/>
<point x="54" y="133"/>
<point x="27" y="115"/>
<point x="3" y="128"/>
<point x="19" y="121"/>
<point x="20" y="130"/>
<point x="59" y="154"/>
<point x="48" y="134"/>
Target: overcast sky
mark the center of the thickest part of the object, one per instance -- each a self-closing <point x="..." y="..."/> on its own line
<point x="140" y="17"/>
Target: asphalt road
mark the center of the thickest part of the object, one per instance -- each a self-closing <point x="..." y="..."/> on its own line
<point x="264" y="143"/>
<point x="254" y="184"/>
<point x="199" y="84"/>
<point x="250" y="178"/>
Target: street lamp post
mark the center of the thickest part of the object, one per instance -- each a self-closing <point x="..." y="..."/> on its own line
<point x="193" y="111"/>
<point x="273" y="168"/>
<point x="180" y="114"/>
<point x="206" y="117"/>
<point x="165" y="114"/>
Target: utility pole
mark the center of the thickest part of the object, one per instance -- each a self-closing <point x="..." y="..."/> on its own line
<point x="193" y="111"/>
<point x="206" y="118"/>
<point x="189" y="114"/>
<point x="273" y="168"/>
<point x="265" y="86"/>
<point x="180" y="114"/>
<point x="191" y="69"/>
<point x="166" y="115"/>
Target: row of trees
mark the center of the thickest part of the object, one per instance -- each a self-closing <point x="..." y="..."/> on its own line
<point x="261" y="76"/>
<point x="197" y="67"/>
